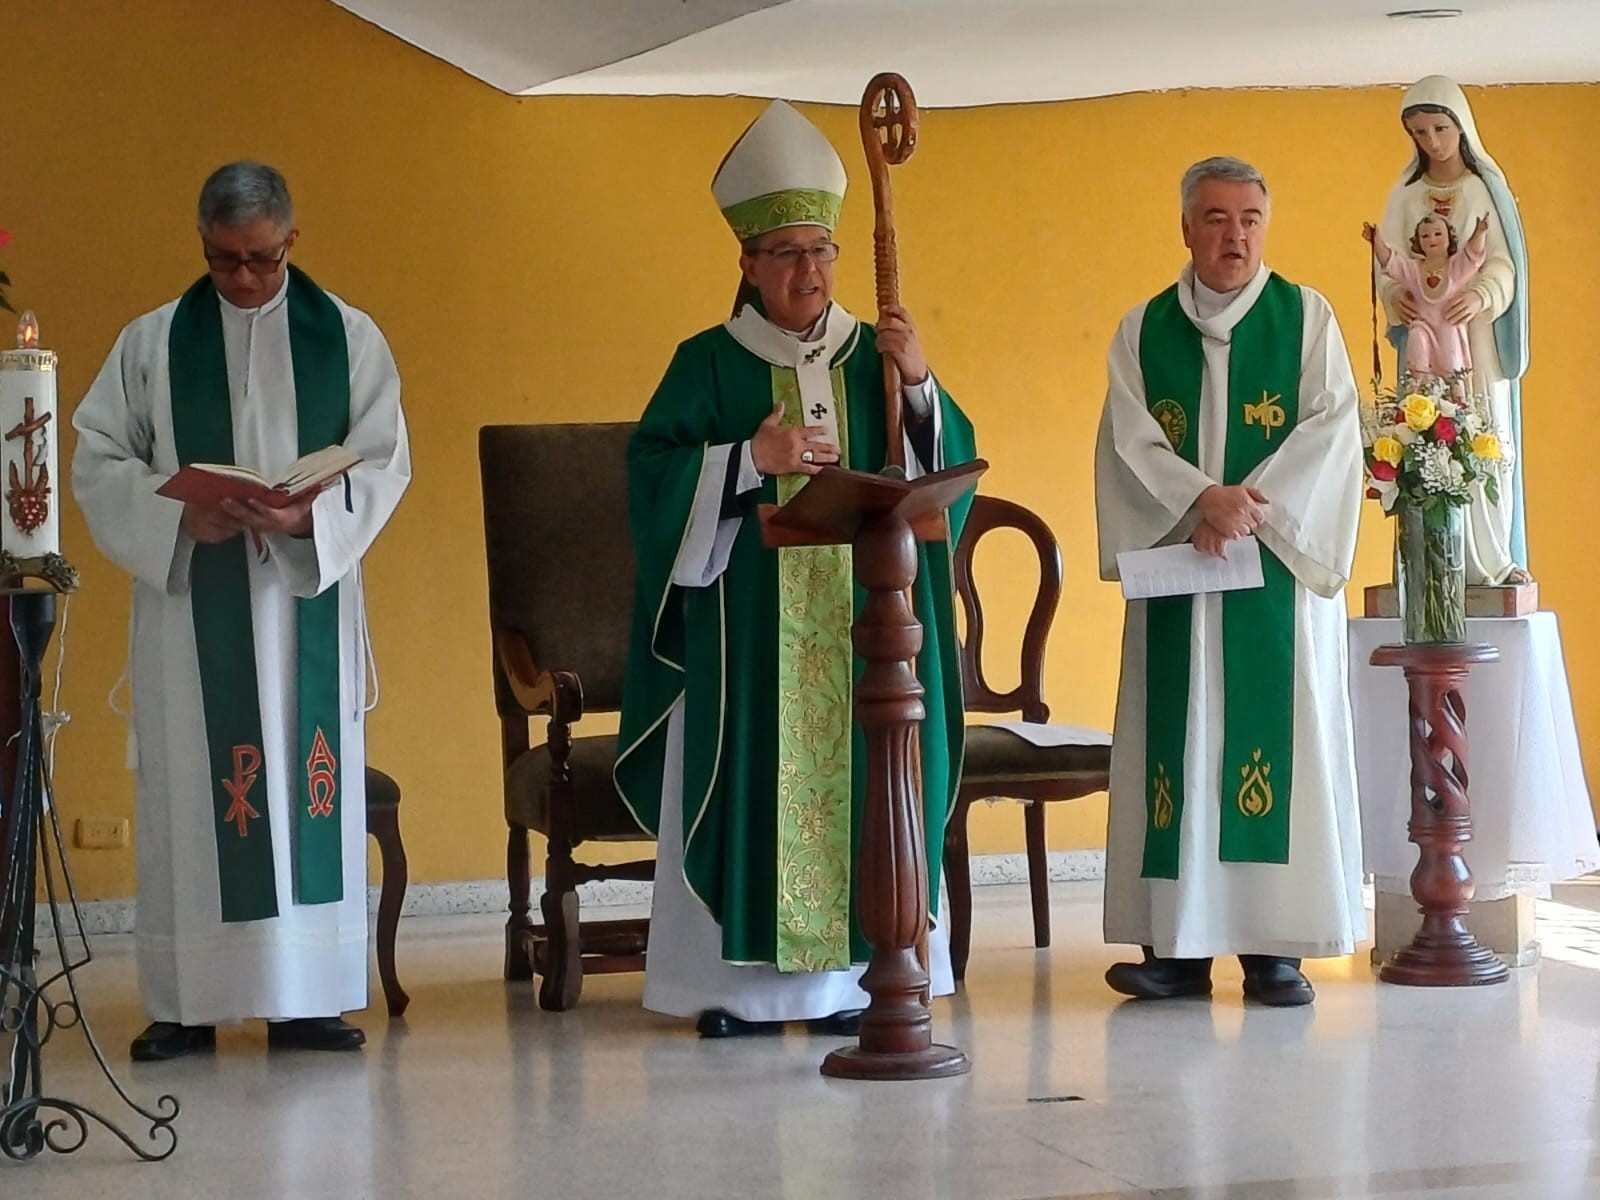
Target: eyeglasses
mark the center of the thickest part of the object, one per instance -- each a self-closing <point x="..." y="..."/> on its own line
<point x="790" y="256"/>
<point x="227" y="264"/>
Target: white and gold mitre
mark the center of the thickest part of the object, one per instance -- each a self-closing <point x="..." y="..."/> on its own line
<point x="781" y="171"/>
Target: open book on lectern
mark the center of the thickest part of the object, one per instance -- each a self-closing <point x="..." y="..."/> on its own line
<point x="836" y="501"/>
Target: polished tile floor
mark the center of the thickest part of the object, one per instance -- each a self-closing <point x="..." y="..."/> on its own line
<point x="1376" y="1091"/>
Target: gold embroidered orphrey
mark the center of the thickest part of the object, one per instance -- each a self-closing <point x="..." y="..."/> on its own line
<point x="1173" y="420"/>
<point x="1269" y="413"/>
<point x="1255" y="793"/>
<point x="1163" y="791"/>
<point x="28" y="496"/>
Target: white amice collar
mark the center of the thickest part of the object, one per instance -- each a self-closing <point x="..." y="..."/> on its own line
<point x="229" y="308"/>
<point x="837" y="334"/>
<point x="1215" y="313"/>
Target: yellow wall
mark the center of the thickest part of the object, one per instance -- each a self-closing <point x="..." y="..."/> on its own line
<point x="537" y="260"/>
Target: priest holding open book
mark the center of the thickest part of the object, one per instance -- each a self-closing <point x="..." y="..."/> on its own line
<point x="249" y="654"/>
<point x="1231" y="415"/>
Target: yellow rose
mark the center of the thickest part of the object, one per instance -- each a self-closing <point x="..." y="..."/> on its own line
<point x="1388" y="449"/>
<point x="1486" y="445"/>
<point x="1419" y="411"/>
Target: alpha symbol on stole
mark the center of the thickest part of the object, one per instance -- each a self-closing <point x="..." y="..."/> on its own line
<point x="321" y="781"/>
<point x="1269" y="413"/>
<point x="246" y="766"/>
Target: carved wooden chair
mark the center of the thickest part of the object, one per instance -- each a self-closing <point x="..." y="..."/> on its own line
<point x="999" y="764"/>
<point x="383" y="825"/>
<point x="561" y="573"/>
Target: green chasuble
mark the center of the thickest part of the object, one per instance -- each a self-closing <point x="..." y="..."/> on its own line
<point x="219" y="586"/>
<point x="1257" y="624"/>
<point x="767" y="743"/>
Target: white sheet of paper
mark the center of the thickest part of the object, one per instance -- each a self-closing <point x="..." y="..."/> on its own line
<point x="1182" y="570"/>
<point x="1055" y="735"/>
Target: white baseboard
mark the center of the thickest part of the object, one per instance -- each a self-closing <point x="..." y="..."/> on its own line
<point x="489" y="895"/>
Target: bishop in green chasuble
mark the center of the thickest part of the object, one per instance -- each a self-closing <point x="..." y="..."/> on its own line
<point x="738" y="746"/>
<point x="1233" y="826"/>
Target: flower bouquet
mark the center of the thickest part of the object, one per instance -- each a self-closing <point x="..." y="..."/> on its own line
<point x="1428" y="443"/>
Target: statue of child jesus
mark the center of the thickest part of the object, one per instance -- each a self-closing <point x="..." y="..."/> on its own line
<point x="1436" y="341"/>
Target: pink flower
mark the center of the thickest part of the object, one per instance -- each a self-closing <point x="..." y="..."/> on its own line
<point x="5" y="238"/>
<point x="1445" y="428"/>
<point x="1383" y="470"/>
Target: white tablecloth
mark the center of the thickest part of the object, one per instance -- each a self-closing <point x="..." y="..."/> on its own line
<point x="1531" y="818"/>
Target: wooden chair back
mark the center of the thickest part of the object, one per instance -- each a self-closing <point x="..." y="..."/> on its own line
<point x="990" y="513"/>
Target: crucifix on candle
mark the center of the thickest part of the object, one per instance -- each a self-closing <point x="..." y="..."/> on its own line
<point x="28" y="496"/>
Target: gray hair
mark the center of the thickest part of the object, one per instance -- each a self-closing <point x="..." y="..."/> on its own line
<point x="1221" y="166"/>
<point x="243" y="192"/>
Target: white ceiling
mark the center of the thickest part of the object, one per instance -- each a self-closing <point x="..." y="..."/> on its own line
<point x="968" y="52"/>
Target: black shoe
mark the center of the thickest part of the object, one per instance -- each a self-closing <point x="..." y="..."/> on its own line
<point x="314" y="1033"/>
<point x="162" y="1040"/>
<point x="719" y="1023"/>
<point x="840" y="1024"/>
<point x="1161" y="978"/>
<point x="1275" y="981"/>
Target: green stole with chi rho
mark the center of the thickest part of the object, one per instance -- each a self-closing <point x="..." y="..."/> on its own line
<point x="1257" y="624"/>
<point x="219" y="587"/>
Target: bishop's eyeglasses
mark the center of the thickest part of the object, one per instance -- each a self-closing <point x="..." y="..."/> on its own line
<point x="791" y="256"/>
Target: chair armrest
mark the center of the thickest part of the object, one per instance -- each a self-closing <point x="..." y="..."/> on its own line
<point x="555" y="694"/>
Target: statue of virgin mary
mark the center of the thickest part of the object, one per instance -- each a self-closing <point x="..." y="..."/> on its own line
<point x="1451" y="175"/>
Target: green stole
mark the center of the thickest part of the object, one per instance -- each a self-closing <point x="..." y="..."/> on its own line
<point x="1257" y="624"/>
<point x="816" y="603"/>
<point x="219" y="589"/>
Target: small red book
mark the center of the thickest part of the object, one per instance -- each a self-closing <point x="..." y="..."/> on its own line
<point x="210" y="483"/>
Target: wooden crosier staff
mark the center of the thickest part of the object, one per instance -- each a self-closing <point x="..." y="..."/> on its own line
<point x="888" y="135"/>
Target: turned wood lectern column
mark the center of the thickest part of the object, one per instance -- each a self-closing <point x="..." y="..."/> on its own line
<point x="1444" y="952"/>
<point x="883" y="518"/>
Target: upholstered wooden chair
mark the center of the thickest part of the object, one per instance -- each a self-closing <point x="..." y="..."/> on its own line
<point x="383" y="824"/>
<point x="561" y="574"/>
<point x="999" y="764"/>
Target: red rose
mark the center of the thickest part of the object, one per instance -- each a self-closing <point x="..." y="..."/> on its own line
<point x="1445" y="428"/>
<point x="1382" y="470"/>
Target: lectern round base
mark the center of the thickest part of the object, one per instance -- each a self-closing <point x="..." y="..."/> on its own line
<point x="1450" y="961"/>
<point x="936" y="1062"/>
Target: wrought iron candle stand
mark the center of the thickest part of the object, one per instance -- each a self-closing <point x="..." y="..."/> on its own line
<point x="34" y="1010"/>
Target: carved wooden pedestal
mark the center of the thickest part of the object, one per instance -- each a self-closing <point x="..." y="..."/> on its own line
<point x="1444" y="953"/>
<point x="882" y="518"/>
<point x="896" y="1040"/>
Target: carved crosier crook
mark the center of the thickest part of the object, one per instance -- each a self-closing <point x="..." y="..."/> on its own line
<point x="888" y="135"/>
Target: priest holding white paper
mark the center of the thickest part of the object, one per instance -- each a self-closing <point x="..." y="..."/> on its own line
<point x="249" y="659"/>
<point x="1231" y="412"/>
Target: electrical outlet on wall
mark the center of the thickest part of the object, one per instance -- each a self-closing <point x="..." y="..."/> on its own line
<point x="103" y="834"/>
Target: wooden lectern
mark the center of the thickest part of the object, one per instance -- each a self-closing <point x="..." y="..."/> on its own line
<point x="883" y="518"/>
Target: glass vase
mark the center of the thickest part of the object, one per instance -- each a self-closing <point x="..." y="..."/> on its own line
<point x="1431" y="572"/>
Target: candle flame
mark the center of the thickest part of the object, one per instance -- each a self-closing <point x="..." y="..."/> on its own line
<point x="28" y="331"/>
